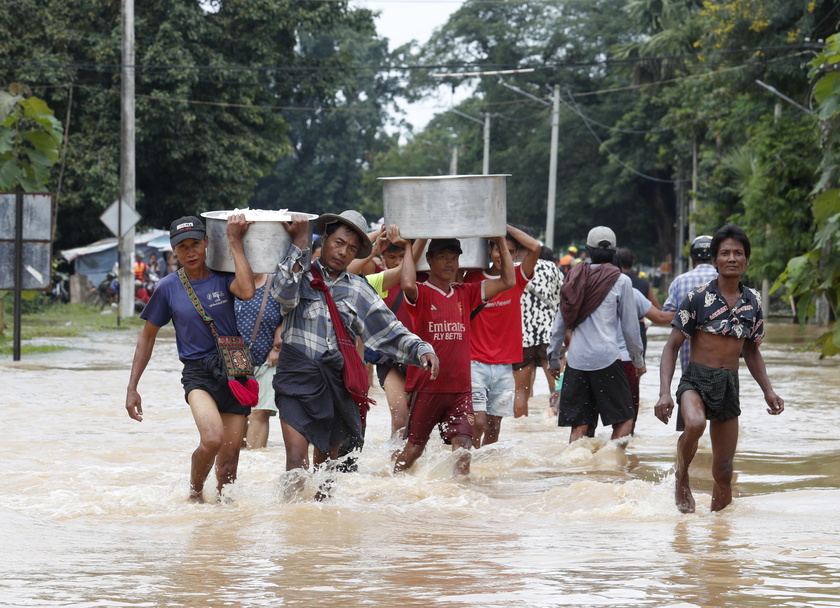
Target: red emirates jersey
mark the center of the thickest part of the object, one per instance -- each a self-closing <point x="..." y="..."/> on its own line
<point x="443" y="320"/>
<point x="496" y="331"/>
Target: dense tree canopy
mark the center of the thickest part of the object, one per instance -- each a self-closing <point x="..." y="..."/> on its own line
<point x="210" y="86"/>
<point x="651" y="91"/>
<point x="670" y="109"/>
<point x="334" y="138"/>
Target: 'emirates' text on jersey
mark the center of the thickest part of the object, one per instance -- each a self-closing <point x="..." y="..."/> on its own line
<point x="443" y="320"/>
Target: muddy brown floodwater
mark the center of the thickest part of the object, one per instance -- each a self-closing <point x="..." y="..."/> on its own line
<point x="94" y="509"/>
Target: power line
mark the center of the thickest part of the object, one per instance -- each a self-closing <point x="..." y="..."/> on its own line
<point x="94" y="66"/>
<point x="614" y="157"/>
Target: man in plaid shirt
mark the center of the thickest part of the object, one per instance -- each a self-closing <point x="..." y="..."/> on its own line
<point x="702" y="272"/>
<point x="314" y="405"/>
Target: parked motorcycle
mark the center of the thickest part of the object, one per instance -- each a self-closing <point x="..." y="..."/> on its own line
<point x="60" y="290"/>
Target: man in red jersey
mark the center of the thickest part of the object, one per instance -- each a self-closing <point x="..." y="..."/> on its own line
<point x="496" y="337"/>
<point x="440" y="310"/>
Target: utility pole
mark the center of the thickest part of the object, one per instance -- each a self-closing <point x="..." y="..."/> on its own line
<point x="485" y="165"/>
<point x="486" y="123"/>
<point x="551" y="203"/>
<point x="127" y="168"/>
<point x="692" y="227"/>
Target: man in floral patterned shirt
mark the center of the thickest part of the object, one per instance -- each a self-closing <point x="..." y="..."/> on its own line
<point x="540" y="303"/>
<point x="724" y="320"/>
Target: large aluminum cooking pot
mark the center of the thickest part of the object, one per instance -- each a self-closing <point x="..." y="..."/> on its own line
<point x="266" y="242"/>
<point x="446" y="206"/>
<point x="476" y="254"/>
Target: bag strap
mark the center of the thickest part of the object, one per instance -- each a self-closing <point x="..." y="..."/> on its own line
<point x="338" y="323"/>
<point x="477" y="310"/>
<point x="395" y="306"/>
<point x="182" y="274"/>
<point x="268" y="282"/>
<point x="354" y="373"/>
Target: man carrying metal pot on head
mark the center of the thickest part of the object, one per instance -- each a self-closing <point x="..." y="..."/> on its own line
<point x="321" y="383"/>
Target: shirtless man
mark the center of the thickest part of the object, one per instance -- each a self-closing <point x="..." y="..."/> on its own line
<point x="724" y="320"/>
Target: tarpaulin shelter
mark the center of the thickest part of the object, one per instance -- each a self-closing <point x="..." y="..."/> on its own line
<point x="98" y="259"/>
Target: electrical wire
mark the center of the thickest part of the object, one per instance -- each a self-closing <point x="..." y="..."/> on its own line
<point x="614" y="157"/>
<point x="93" y="66"/>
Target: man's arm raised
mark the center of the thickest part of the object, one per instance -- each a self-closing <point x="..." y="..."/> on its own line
<point x="531" y="245"/>
<point x="408" y="275"/>
<point x="366" y="266"/>
<point x="493" y="287"/>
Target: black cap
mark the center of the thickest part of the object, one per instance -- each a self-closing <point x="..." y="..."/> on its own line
<point x="436" y="245"/>
<point x="189" y="227"/>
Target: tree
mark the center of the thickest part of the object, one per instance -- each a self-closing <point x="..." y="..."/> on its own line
<point x="209" y="85"/>
<point x="568" y="43"/>
<point x="755" y="154"/>
<point x="335" y="138"/>
<point x="816" y="273"/>
<point x="30" y="137"/>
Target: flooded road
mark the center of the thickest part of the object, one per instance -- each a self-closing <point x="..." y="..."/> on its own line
<point x="94" y="509"/>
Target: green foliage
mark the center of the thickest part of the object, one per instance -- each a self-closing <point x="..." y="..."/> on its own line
<point x="561" y="39"/>
<point x="30" y="137"/>
<point x="816" y="273"/>
<point x="208" y="125"/>
<point x="335" y="141"/>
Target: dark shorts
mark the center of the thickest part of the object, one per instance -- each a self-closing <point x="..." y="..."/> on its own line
<point x="532" y="354"/>
<point x="384" y="367"/>
<point x="633" y="380"/>
<point x="585" y="395"/>
<point x="452" y="412"/>
<point x="718" y="388"/>
<point x="207" y="375"/>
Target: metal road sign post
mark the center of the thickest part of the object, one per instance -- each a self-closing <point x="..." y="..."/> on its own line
<point x="25" y="248"/>
<point x="120" y="218"/>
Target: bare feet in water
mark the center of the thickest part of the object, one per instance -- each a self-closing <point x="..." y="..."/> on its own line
<point x="682" y="493"/>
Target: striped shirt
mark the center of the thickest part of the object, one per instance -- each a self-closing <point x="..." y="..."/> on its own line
<point x="677" y="292"/>
<point x="306" y="319"/>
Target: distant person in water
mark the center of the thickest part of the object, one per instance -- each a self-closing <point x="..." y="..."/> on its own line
<point x="724" y="320"/>
<point x="218" y="413"/>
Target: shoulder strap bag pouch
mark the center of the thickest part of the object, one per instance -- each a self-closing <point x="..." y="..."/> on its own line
<point x="354" y="372"/>
<point x="234" y="354"/>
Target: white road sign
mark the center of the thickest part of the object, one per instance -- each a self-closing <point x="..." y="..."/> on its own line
<point x="119" y="226"/>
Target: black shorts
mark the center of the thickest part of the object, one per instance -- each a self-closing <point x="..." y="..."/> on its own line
<point x="718" y="388"/>
<point x="532" y="354"/>
<point x="384" y="367"/>
<point x="585" y="395"/>
<point x="207" y="375"/>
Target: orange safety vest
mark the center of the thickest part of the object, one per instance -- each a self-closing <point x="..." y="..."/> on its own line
<point x="139" y="271"/>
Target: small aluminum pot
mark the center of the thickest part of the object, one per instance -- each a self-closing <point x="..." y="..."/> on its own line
<point x="266" y="242"/>
<point x="446" y="206"/>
